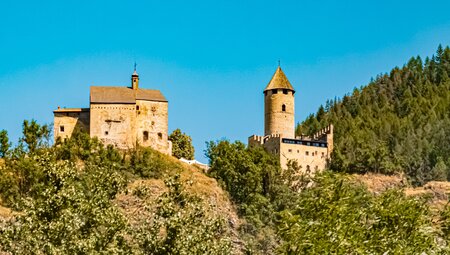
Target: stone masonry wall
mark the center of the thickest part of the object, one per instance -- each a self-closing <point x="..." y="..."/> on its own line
<point x="114" y="124"/>
<point x="308" y="157"/>
<point x="64" y="123"/>
<point x="275" y="120"/>
<point x="152" y="117"/>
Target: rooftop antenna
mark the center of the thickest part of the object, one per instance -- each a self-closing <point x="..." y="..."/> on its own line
<point x="279" y="63"/>
<point x="135" y="66"/>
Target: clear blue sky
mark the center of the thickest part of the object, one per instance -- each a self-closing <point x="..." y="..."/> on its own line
<point x="211" y="59"/>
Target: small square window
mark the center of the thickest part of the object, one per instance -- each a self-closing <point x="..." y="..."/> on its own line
<point x="285" y="91"/>
<point x="290" y="150"/>
<point x="106" y="132"/>
<point x="61" y="129"/>
<point x="137" y="107"/>
<point x="307" y="153"/>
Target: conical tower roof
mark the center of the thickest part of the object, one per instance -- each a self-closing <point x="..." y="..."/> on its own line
<point x="279" y="81"/>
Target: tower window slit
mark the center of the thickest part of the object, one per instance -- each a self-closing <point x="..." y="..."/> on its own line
<point x="145" y="137"/>
<point x="283" y="108"/>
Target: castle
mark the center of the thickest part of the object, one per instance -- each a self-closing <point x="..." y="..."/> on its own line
<point x="311" y="153"/>
<point x="121" y="116"/>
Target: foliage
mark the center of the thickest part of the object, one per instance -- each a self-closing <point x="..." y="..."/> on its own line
<point x="289" y="213"/>
<point x="182" y="224"/>
<point x="257" y="185"/>
<point x="79" y="146"/>
<point x="72" y="214"/>
<point x="35" y="135"/>
<point x="181" y="145"/>
<point x="4" y="143"/>
<point x="148" y="163"/>
<point x="64" y="199"/>
<point x="336" y="216"/>
<point x="399" y="122"/>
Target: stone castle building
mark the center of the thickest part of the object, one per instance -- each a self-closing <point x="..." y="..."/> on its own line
<point x="311" y="153"/>
<point x="121" y="116"/>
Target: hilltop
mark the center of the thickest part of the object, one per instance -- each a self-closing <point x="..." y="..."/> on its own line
<point x="398" y="123"/>
<point x="386" y="192"/>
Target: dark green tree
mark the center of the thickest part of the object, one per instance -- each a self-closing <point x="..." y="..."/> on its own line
<point x="34" y="135"/>
<point x="399" y="122"/>
<point x="4" y="143"/>
<point x="181" y="145"/>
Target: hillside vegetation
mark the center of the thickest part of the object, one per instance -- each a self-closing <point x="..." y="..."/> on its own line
<point x="80" y="197"/>
<point x="398" y="123"/>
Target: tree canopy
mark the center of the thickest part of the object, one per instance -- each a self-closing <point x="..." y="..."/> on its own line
<point x="181" y="145"/>
<point x="399" y="122"/>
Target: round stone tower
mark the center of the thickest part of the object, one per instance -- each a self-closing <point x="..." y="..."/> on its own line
<point x="279" y="106"/>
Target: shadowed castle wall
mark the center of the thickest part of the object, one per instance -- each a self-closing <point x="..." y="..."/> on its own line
<point x="67" y="120"/>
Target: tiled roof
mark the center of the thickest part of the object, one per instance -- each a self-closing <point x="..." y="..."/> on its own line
<point x="124" y="95"/>
<point x="279" y="81"/>
<point x="62" y="110"/>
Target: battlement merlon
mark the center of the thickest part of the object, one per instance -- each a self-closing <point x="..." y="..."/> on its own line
<point x="256" y="140"/>
<point x="322" y="134"/>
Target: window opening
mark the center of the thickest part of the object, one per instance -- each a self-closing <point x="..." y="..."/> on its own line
<point x="159" y="135"/>
<point x="285" y="91"/>
<point x="283" y="108"/>
<point x="274" y="91"/>
<point x="145" y="135"/>
<point x="61" y="129"/>
<point x="106" y="132"/>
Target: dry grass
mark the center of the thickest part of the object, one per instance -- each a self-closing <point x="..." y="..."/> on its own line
<point x="143" y="192"/>
<point x="377" y="183"/>
<point x="4" y="211"/>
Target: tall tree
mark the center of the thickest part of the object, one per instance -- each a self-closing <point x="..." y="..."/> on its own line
<point x="34" y="135"/>
<point x="399" y="122"/>
<point x="4" y="143"/>
<point x="181" y="145"/>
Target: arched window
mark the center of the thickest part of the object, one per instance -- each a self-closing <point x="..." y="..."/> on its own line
<point x="283" y="108"/>
<point x="308" y="169"/>
<point x="145" y="135"/>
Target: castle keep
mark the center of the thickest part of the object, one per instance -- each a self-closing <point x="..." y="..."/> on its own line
<point x="311" y="153"/>
<point x="121" y="116"/>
